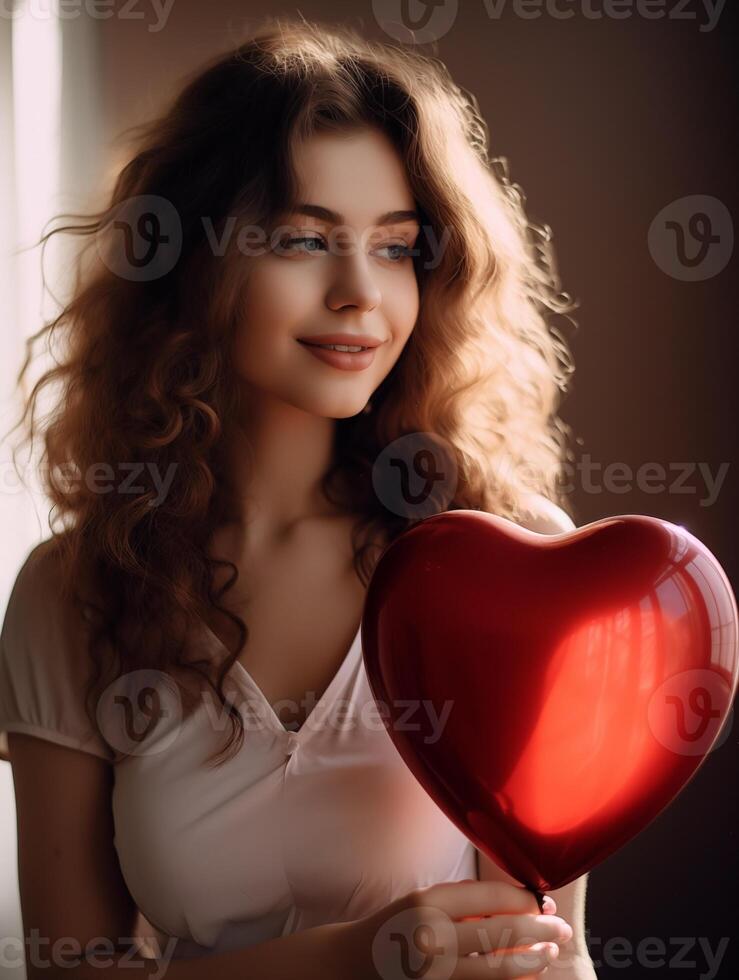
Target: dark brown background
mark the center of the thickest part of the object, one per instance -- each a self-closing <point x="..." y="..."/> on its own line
<point x="604" y="122"/>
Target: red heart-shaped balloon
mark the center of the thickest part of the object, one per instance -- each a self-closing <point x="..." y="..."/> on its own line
<point x="566" y="687"/>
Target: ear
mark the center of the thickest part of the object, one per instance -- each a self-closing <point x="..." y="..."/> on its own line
<point x="541" y="515"/>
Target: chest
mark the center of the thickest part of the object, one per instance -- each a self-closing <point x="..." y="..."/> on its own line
<point x="331" y="831"/>
<point x="302" y="604"/>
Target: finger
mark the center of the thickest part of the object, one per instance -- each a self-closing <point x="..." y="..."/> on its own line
<point x="508" y="931"/>
<point x="519" y="964"/>
<point x="549" y="905"/>
<point x="460" y="899"/>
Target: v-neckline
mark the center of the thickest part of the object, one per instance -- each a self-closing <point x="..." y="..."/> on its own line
<point x="324" y="701"/>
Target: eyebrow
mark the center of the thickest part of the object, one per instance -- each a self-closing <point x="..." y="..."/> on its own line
<point x="325" y="214"/>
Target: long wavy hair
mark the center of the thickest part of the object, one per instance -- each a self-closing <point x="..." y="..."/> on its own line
<point x="146" y="376"/>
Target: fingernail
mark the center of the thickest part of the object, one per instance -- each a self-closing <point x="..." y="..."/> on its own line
<point x="549" y="906"/>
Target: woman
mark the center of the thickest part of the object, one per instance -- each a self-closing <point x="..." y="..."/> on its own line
<point x="307" y="189"/>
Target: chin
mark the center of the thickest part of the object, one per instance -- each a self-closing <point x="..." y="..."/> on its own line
<point x="343" y="410"/>
<point x="349" y="415"/>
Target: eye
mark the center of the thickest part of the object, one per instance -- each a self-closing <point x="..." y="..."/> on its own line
<point x="299" y="241"/>
<point x="399" y="251"/>
<point x="307" y="244"/>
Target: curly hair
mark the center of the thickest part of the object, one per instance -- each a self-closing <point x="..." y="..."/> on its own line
<point x="146" y="377"/>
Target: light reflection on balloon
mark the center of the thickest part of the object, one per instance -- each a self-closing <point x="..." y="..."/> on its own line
<point x="590" y="672"/>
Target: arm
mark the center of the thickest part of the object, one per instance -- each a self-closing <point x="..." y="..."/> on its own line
<point x="73" y="893"/>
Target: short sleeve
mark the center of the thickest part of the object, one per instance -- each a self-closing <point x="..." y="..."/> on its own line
<point x="44" y="665"/>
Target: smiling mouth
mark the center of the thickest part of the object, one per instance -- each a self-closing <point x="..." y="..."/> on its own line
<point x="345" y="348"/>
<point x="337" y="356"/>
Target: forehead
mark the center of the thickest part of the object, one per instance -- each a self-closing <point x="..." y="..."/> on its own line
<point x="358" y="174"/>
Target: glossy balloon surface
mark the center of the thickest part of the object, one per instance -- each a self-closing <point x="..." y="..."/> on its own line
<point x="552" y="693"/>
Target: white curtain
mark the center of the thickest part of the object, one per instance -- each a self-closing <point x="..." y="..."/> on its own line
<point x="50" y="162"/>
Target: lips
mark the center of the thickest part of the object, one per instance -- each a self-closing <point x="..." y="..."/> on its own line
<point x="343" y="360"/>
<point x="345" y="339"/>
<point x="325" y="345"/>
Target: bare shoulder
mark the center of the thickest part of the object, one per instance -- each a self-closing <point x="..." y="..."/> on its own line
<point x="544" y="516"/>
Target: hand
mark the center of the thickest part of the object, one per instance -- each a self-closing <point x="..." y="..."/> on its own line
<point x="457" y="930"/>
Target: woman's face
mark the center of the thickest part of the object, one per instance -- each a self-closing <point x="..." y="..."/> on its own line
<point x="340" y="265"/>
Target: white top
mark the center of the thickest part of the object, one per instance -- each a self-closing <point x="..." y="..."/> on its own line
<point x="325" y="824"/>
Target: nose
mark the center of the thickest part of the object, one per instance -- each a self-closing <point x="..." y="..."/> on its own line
<point x="353" y="285"/>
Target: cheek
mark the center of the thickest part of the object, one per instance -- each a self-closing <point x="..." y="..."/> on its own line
<point x="273" y="308"/>
<point x="402" y="303"/>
